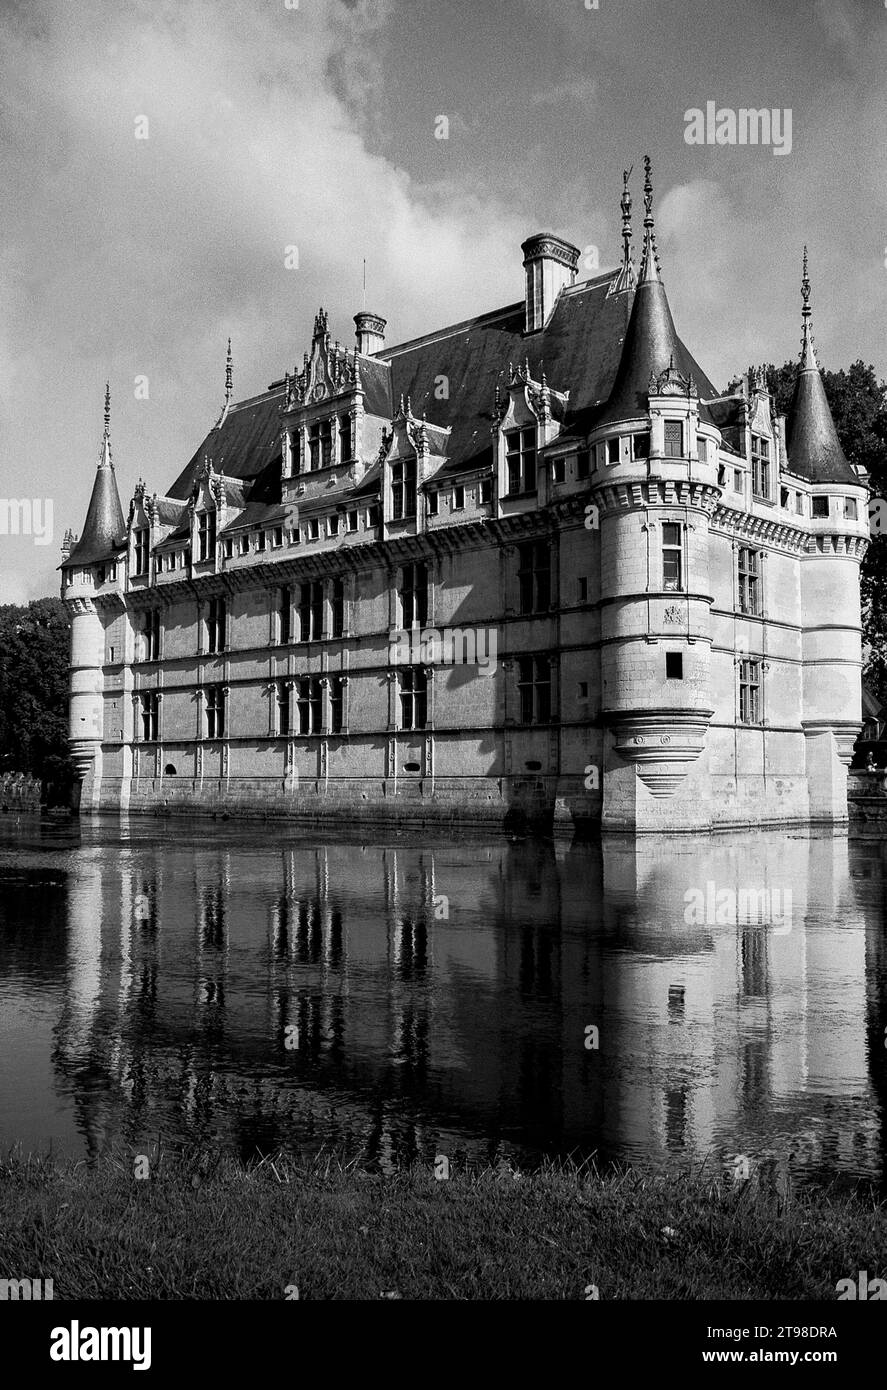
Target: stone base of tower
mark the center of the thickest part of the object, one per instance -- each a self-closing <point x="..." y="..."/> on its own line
<point x="829" y="749"/>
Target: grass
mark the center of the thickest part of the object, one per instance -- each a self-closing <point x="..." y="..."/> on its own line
<point x="204" y="1225"/>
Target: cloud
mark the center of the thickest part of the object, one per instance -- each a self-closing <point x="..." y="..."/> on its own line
<point x="578" y="89"/>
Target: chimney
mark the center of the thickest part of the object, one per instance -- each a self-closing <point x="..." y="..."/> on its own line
<point x="550" y="264"/>
<point x="370" y="332"/>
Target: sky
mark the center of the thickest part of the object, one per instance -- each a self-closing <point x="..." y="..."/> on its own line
<point x="158" y="160"/>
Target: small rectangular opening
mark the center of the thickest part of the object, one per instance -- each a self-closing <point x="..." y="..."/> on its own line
<point x="674" y="666"/>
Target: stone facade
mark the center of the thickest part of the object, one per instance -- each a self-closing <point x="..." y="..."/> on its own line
<point x="425" y="584"/>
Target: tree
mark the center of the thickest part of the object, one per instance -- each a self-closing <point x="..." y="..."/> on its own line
<point x="34" y="648"/>
<point x="858" y="402"/>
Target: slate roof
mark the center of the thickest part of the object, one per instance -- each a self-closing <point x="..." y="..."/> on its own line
<point x="104" y="528"/>
<point x="814" y="450"/>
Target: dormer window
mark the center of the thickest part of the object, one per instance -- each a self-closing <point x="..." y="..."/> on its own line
<point x="142" y="541"/>
<point x="640" y="446"/>
<point x="520" y="459"/>
<point x="432" y="501"/>
<point x="820" y="507"/>
<point x="206" y="535"/>
<point x="486" y="491"/>
<point x="403" y="489"/>
<point x="244" y="545"/>
<point x="320" y="444"/>
<point x="260" y="540"/>
<point x="760" y="467"/>
<point x="344" y="438"/>
<point x="612" y="448"/>
<point x="674" y="439"/>
<point x="296" y="453"/>
<point x="558" y="470"/>
<point x="332" y="526"/>
<point x="313" y="529"/>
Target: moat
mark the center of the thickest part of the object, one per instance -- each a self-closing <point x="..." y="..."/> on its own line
<point x="653" y="1001"/>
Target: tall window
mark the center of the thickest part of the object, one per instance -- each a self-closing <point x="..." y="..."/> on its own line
<point x="672" y="556"/>
<point x="403" y="489"/>
<point x="206" y="535"/>
<point x="337" y="692"/>
<point x="320" y="443"/>
<point x="152" y="635"/>
<point x="534" y="688"/>
<point x="760" y="466"/>
<point x="520" y="459"/>
<point x="216" y="625"/>
<point x="150" y="712"/>
<point x="282" y="701"/>
<point x="583" y="463"/>
<point x="534" y="576"/>
<point x="432" y="501"/>
<point x="414" y="595"/>
<point x="674" y="439"/>
<point x="284" y="611"/>
<point x="640" y="445"/>
<point x="338" y="608"/>
<point x="749" y="580"/>
<point x="344" y="438"/>
<point x="820" y="507"/>
<point x="215" y="711"/>
<point x="311" y="611"/>
<point x="142" y="539"/>
<point x="750" y="692"/>
<point x="296" y="452"/>
<point x="310" y="702"/>
<point x="413" y="697"/>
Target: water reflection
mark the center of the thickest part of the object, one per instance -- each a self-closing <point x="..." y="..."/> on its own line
<point x="424" y="996"/>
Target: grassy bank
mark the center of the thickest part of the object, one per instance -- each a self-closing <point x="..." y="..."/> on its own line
<point x="207" y="1226"/>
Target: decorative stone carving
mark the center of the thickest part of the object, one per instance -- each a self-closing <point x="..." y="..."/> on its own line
<point x="663" y="744"/>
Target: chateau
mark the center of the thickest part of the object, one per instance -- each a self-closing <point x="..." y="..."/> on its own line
<point x="530" y="568"/>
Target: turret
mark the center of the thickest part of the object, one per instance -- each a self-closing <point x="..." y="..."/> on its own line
<point x="830" y="602"/>
<point x="655" y="485"/>
<point x="86" y="567"/>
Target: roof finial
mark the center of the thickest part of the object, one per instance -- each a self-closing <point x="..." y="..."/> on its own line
<point x="229" y="387"/>
<point x="105" y="460"/>
<point x="650" y="258"/>
<point x="808" y="349"/>
<point x="107" y="410"/>
<point x="625" y="279"/>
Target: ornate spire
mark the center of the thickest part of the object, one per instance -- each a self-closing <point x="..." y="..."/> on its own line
<point x="625" y="278"/>
<point x="229" y="387"/>
<point x="105" y="460"/>
<point x="808" y="348"/>
<point x="650" y="257"/>
<point x="104" y="525"/>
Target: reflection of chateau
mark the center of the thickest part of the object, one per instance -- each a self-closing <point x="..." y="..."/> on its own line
<point x="664" y="577"/>
<point x="417" y="1000"/>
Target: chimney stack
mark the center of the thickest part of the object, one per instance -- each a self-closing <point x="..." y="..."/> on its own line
<point x="370" y="332"/>
<point x="550" y="264"/>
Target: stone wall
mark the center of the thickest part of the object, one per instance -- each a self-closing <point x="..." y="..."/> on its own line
<point x="18" y="793"/>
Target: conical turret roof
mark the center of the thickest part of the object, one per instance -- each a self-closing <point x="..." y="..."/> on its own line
<point x="651" y="341"/>
<point x="814" y="450"/>
<point x="105" y="527"/>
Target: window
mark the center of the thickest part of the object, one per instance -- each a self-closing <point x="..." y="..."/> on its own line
<point x="403" y="489"/>
<point x="344" y="438"/>
<point x="612" y="448"/>
<point x="296" y="453"/>
<point x="282" y="708"/>
<point x="737" y="479"/>
<point x="640" y="446"/>
<point x="311" y="611"/>
<point x="458" y="498"/>
<point x="760" y="466"/>
<point x="206" y="535"/>
<point x="310" y="701"/>
<point x="314" y="529"/>
<point x="243" y="547"/>
<point x="486" y="491"/>
<point x="582" y="693"/>
<point x="413" y="697"/>
<point x="320" y="444"/>
<point x="414" y="595"/>
<point x="141" y="538"/>
<point x="784" y="497"/>
<point x="558" y="470"/>
<point x="749" y="580"/>
<point x="228" y="548"/>
<point x="820" y="506"/>
<point x="674" y="666"/>
<point x="750" y="692"/>
<point x="284" y="610"/>
<point x="850" y="511"/>
<point x="374" y="515"/>
<point x="520" y="459"/>
<point x="186" y="558"/>
<point x="337" y="691"/>
<point x="672" y="556"/>
<point x="152" y="635"/>
<point x="215" y="711"/>
<point x="722" y="474"/>
<point x="260" y="540"/>
<point x="583" y="461"/>
<point x="583" y="590"/>
<point x="799" y="503"/>
<point x="150" y="712"/>
<point x="674" y="439"/>
<point x="432" y="501"/>
<point x="338" y="608"/>
<point x="352" y="521"/>
<point x="277" y="537"/>
<point x="534" y="576"/>
<point x="534" y="688"/>
<point x="701" y="448"/>
<point x="332" y="526"/>
<point x="215" y="626"/>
